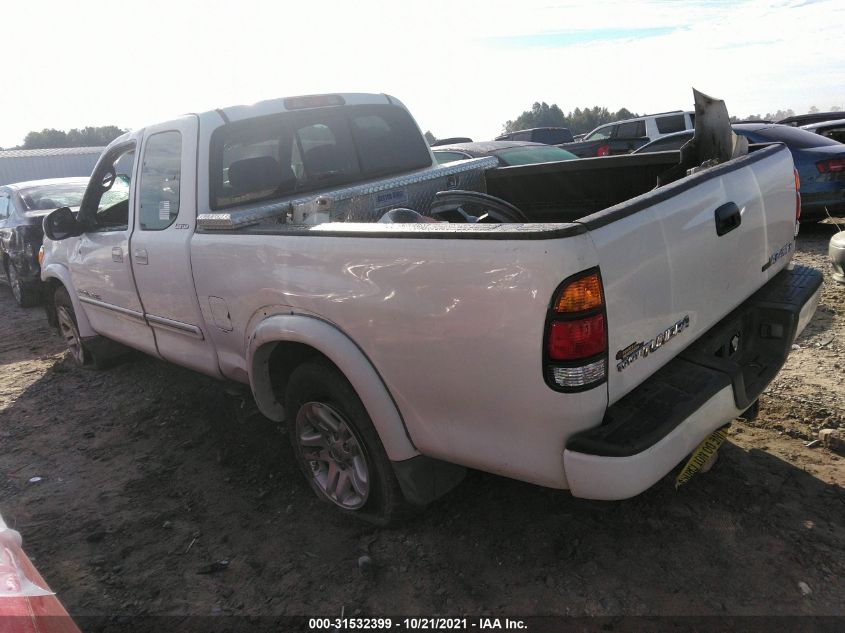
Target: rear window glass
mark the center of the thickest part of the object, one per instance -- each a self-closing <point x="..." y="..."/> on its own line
<point x="669" y="124"/>
<point x="448" y="157"/>
<point x="792" y="136"/>
<point x="293" y="152"/>
<point x="631" y="129"/>
<point x="534" y="154"/>
<point x="552" y="136"/>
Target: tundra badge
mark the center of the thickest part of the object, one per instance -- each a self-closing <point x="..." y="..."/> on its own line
<point x="641" y="350"/>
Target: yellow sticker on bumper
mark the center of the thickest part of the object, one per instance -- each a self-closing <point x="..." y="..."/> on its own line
<point x="700" y="455"/>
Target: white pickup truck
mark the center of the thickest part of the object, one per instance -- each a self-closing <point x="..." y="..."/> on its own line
<point x="581" y="325"/>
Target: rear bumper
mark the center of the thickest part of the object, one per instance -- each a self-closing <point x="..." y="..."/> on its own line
<point x="816" y="205"/>
<point x="611" y="478"/>
<point x="649" y="431"/>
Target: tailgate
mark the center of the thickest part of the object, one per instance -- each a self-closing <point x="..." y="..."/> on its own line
<point x="675" y="261"/>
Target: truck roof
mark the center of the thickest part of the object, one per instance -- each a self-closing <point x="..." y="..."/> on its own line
<point x="282" y="104"/>
<point x="285" y="104"/>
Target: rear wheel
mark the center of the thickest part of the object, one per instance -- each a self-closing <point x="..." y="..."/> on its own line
<point x="26" y="294"/>
<point x="337" y="447"/>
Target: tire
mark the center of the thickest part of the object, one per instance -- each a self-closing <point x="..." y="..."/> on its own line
<point x="82" y="354"/>
<point x="337" y="447"/>
<point x="26" y="295"/>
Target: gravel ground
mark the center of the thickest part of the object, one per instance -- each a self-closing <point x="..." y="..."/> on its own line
<point x="151" y="476"/>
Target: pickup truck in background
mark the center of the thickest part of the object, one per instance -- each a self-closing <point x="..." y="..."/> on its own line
<point x="581" y="325"/>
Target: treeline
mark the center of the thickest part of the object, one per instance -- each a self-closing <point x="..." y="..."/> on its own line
<point x="782" y="114"/>
<point x="578" y="121"/>
<point x="77" y="137"/>
<point x="581" y="121"/>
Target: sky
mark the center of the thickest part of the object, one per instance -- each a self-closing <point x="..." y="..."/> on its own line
<point x="463" y="68"/>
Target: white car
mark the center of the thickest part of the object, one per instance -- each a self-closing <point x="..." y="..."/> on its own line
<point x="569" y="324"/>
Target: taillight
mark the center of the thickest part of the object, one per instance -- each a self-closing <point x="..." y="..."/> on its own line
<point x="575" y="349"/>
<point x="573" y="340"/>
<point x="832" y="166"/>
<point x="603" y="150"/>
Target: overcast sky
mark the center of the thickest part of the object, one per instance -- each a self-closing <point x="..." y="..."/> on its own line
<point x="463" y="68"/>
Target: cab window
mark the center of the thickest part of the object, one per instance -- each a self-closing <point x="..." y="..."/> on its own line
<point x="106" y="205"/>
<point x="158" y="194"/>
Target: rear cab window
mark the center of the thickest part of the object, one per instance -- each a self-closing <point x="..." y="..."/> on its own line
<point x="308" y="150"/>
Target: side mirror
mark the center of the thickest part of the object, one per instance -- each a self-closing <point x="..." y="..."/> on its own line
<point x="62" y="224"/>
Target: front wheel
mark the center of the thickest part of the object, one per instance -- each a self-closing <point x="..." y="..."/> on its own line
<point x="337" y="447"/>
<point x="80" y="352"/>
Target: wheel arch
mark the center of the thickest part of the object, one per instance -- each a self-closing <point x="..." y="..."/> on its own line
<point x="278" y="344"/>
<point x="55" y="275"/>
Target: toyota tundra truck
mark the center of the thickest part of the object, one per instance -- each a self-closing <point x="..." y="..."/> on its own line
<point x="581" y="325"/>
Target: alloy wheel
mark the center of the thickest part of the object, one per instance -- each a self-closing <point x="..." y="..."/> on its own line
<point x="334" y="455"/>
<point x="70" y="334"/>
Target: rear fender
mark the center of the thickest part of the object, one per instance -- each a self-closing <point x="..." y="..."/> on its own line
<point x="346" y="355"/>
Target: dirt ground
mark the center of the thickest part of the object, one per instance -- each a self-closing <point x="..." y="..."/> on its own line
<point x="151" y="475"/>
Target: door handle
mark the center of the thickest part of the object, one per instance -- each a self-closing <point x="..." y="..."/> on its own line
<point x="117" y="254"/>
<point x="728" y="218"/>
<point x="141" y="256"/>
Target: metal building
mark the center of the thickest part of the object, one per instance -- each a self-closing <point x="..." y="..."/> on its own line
<point x="19" y="165"/>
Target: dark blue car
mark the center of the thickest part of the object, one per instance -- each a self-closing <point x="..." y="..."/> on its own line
<point x="820" y="162"/>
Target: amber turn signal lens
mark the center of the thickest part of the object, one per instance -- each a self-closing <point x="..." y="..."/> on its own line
<point x="41" y="256"/>
<point x="582" y="294"/>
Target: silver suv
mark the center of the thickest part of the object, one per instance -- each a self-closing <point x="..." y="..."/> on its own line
<point x="651" y="126"/>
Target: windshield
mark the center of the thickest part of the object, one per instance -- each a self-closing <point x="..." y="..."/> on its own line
<point x="49" y="197"/>
<point x="534" y="154"/>
<point x="600" y="133"/>
<point x="792" y="136"/>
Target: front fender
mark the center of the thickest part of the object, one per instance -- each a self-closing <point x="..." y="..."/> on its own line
<point x="346" y="355"/>
<point x="62" y="274"/>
